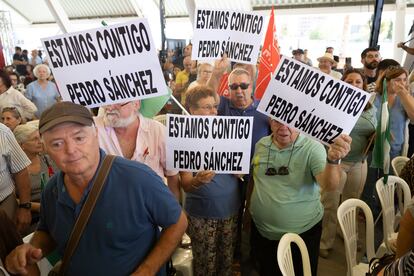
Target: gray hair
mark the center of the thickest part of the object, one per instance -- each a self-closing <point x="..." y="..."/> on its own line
<point x="238" y="72"/>
<point x="23" y="132"/>
<point x="36" y="69"/>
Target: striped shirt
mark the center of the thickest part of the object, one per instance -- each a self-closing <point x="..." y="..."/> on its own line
<point x="404" y="266"/>
<point x="12" y="160"/>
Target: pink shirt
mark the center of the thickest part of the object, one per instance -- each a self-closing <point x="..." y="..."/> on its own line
<point x="150" y="144"/>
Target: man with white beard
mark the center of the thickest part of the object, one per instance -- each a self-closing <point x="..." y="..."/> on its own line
<point x="123" y="131"/>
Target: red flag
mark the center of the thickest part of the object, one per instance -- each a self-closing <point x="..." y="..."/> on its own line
<point x="269" y="58"/>
<point x="223" y="89"/>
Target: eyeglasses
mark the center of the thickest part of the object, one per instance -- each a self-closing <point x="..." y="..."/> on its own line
<point x="283" y="170"/>
<point x="242" y="85"/>
<point x="209" y="107"/>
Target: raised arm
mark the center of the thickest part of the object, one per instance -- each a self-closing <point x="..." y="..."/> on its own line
<point x="329" y="178"/>
<point x="220" y="67"/>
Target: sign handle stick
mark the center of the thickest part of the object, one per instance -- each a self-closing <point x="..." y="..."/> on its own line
<point x="179" y="105"/>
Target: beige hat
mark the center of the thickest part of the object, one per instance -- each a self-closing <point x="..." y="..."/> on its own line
<point x="328" y="56"/>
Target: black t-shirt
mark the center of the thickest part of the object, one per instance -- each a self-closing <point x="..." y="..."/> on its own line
<point x="371" y="79"/>
<point x="21" y="68"/>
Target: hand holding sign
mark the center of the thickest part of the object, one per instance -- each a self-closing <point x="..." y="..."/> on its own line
<point x="203" y="177"/>
<point x="340" y="147"/>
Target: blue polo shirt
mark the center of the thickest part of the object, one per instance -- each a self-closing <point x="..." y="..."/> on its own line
<point x="123" y="227"/>
<point x="261" y="126"/>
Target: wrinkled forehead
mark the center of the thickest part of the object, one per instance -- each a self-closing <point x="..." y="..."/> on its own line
<point x="65" y="128"/>
<point x="243" y="77"/>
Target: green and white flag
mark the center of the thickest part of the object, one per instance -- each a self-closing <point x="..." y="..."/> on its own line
<point x="381" y="153"/>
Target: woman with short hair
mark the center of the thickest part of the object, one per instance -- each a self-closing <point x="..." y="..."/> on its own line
<point x="40" y="169"/>
<point x="43" y="93"/>
<point x="11" y="117"/>
<point x="212" y="203"/>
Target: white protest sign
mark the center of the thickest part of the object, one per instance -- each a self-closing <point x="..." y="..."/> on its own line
<point x="112" y="64"/>
<point x="311" y="101"/>
<point x="218" y="143"/>
<point x="222" y="31"/>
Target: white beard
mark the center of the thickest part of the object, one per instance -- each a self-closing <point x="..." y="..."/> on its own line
<point x="112" y="119"/>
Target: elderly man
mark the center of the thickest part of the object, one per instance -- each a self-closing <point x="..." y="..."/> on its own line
<point x="284" y="196"/>
<point x="123" y="131"/>
<point x="326" y="63"/>
<point x="240" y="101"/>
<point x="11" y="97"/>
<point x="14" y="176"/>
<point x="122" y="235"/>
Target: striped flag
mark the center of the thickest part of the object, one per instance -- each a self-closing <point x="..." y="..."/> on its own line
<point x="381" y="153"/>
<point x="269" y="58"/>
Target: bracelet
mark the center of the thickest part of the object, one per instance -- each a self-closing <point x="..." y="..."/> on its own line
<point x="333" y="162"/>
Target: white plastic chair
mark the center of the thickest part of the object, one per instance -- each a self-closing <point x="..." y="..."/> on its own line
<point x="284" y="255"/>
<point x="386" y="194"/>
<point x="43" y="265"/>
<point x="347" y="217"/>
<point x="183" y="259"/>
<point x="398" y="164"/>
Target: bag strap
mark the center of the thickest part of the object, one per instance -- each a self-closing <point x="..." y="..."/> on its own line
<point x="86" y="212"/>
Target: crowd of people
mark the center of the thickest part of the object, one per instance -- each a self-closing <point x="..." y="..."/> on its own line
<point x="52" y="152"/>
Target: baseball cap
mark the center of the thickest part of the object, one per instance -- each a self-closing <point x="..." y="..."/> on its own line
<point x="63" y="112"/>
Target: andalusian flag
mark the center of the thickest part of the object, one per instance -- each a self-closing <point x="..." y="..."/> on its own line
<point x="381" y="153"/>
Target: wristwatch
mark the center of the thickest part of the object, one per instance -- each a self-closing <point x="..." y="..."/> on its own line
<point x="333" y="162"/>
<point x="27" y="205"/>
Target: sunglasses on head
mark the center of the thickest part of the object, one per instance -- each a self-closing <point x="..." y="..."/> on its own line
<point x="235" y="86"/>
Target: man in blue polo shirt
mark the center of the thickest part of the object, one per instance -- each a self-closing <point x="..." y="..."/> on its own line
<point x="122" y="235"/>
<point x="240" y="101"/>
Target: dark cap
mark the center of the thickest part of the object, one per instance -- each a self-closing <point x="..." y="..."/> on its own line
<point x="64" y="112"/>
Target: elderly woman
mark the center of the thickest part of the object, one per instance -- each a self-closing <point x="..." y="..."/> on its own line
<point x="354" y="166"/>
<point x="11" y="97"/>
<point x="10" y="116"/>
<point x="43" y="93"/>
<point x="400" y="106"/>
<point x="284" y="196"/>
<point x="204" y="72"/>
<point x="212" y="203"/>
<point x="40" y="169"/>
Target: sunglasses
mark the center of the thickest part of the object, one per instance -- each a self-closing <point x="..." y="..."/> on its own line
<point x="280" y="171"/>
<point x="235" y="86"/>
<point x="283" y="170"/>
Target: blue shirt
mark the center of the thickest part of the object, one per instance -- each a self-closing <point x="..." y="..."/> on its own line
<point x="261" y="126"/>
<point x="219" y="199"/>
<point x="123" y="227"/>
<point x="42" y="98"/>
<point x="398" y="118"/>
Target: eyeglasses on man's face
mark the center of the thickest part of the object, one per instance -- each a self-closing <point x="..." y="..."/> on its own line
<point x="242" y="85"/>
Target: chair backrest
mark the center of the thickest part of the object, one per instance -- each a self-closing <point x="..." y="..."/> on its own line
<point x="347" y="217"/>
<point x="398" y="164"/>
<point x="386" y="194"/>
<point x="284" y="255"/>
